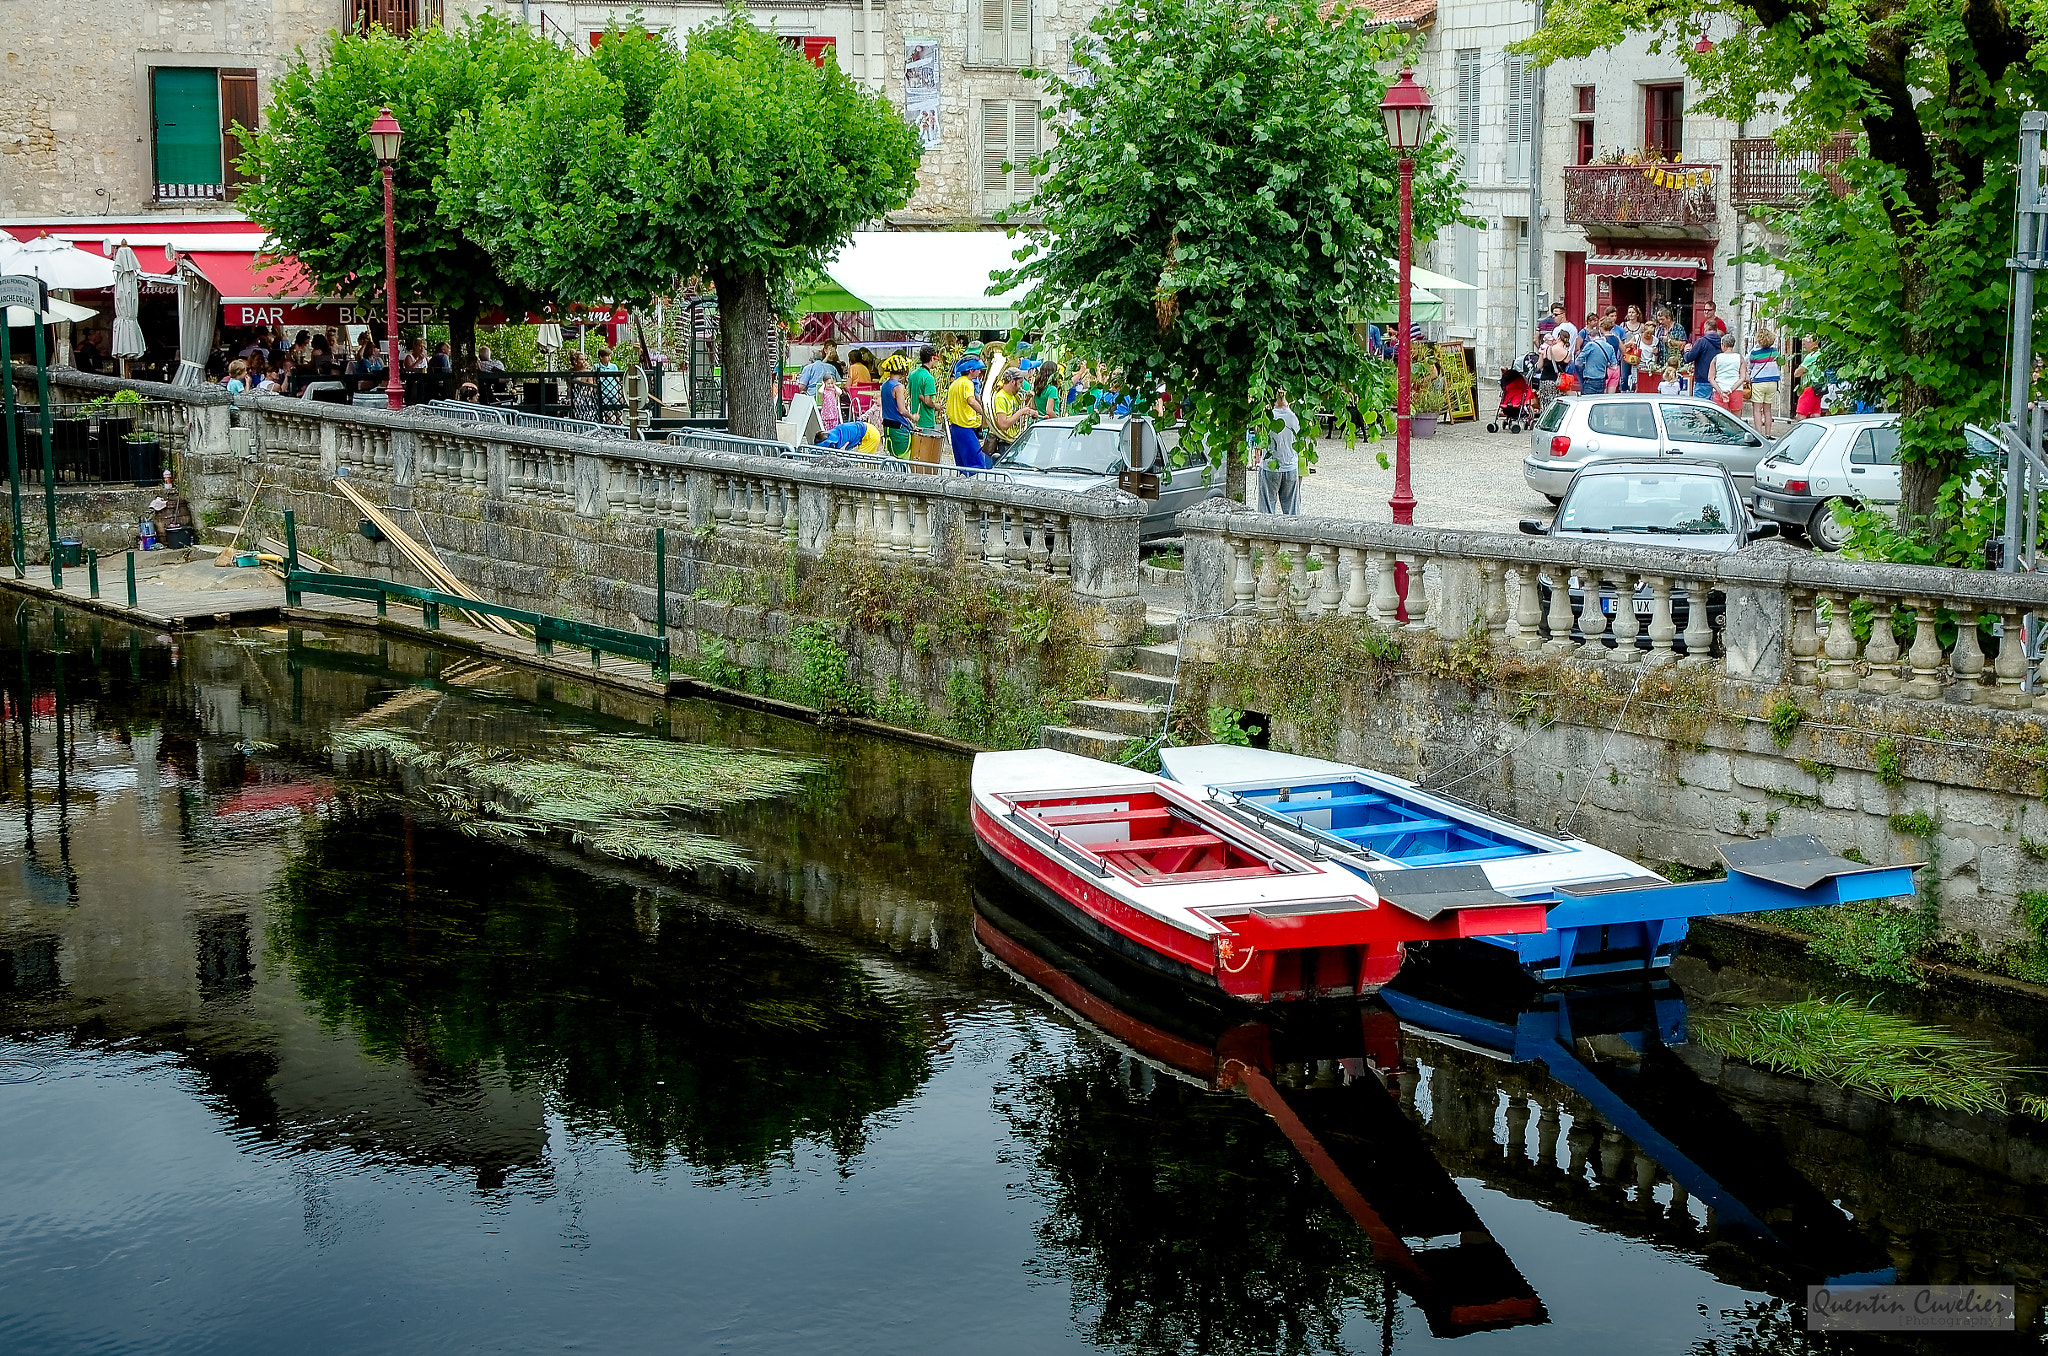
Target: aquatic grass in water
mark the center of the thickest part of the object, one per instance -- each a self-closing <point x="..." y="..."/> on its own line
<point x="1857" y="1047"/>
<point x="610" y="793"/>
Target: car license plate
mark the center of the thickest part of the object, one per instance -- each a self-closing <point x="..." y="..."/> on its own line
<point x="1644" y="606"/>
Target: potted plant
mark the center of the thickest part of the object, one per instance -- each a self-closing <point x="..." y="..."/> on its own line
<point x="1425" y="404"/>
<point x="145" y="457"/>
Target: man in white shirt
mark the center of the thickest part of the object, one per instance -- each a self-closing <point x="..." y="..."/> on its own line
<point x="1280" y="466"/>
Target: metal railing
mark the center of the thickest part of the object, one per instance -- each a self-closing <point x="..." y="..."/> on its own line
<point x="1764" y="174"/>
<point x="1627" y="196"/>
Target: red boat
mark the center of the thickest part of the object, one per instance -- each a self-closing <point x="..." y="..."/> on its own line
<point x="1165" y="878"/>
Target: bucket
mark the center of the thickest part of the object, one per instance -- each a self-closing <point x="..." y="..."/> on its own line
<point x="70" y="551"/>
<point x="246" y="559"/>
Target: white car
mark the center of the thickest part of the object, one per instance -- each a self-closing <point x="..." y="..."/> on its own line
<point x="1577" y="431"/>
<point x="1840" y="458"/>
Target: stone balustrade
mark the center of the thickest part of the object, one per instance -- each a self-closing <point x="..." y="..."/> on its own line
<point x="1775" y="614"/>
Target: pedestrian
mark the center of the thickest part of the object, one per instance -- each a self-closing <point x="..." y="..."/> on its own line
<point x="964" y="417"/>
<point x="238" y="377"/>
<point x="1764" y="373"/>
<point x="1631" y="347"/>
<point x="414" y="359"/>
<point x="1671" y="384"/>
<point x="894" y="403"/>
<point x="1710" y="321"/>
<point x="860" y="369"/>
<point x="1012" y="413"/>
<point x="1044" y="376"/>
<point x="1561" y="328"/>
<point x="829" y="414"/>
<point x="926" y="445"/>
<point x="1729" y="376"/>
<point x="1280" y="463"/>
<point x="486" y="365"/>
<point x="1598" y="360"/>
<point x="1670" y="338"/>
<point x="1700" y="353"/>
<point x="816" y="370"/>
<point x="443" y="361"/>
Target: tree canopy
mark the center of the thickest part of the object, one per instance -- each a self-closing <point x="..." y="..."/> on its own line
<point x="315" y="184"/>
<point x="1912" y="263"/>
<point x="735" y="160"/>
<point x="1220" y="205"/>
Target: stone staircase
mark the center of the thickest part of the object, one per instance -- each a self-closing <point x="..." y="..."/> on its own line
<point x="1104" y="726"/>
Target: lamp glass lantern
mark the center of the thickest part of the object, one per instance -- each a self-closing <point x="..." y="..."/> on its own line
<point x="385" y="134"/>
<point x="1407" y="110"/>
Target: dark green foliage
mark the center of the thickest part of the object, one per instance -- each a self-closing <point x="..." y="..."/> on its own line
<point x="707" y="1039"/>
<point x="1307" y="672"/>
<point x="1891" y="768"/>
<point x="1219" y="206"/>
<point x="1784" y="718"/>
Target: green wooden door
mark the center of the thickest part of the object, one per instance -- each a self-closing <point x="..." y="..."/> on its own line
<point x="187" y="125"/>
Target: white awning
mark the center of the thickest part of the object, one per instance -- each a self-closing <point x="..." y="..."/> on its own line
<point x="922" y="280"/>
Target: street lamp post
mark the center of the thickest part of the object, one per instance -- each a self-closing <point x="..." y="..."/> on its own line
<point x="1406" y="109"/>
<point x="385" y="134"/>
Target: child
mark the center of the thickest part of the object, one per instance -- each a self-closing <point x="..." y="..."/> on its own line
<point x="1670" y="385"/>
<point x="828" y="404"/>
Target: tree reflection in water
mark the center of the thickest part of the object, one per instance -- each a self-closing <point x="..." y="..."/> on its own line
<point x="1183" y="1219"/>
<point x="679" y="1030"/>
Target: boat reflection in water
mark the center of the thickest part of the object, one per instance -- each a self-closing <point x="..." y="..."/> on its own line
<point x="1615" y="1057"/>
<point x="1324" y="1074"/>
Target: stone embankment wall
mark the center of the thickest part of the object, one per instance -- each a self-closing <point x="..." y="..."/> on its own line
<point x="981" y="609"/>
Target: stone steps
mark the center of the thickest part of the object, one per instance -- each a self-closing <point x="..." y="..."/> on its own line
<point x="1131" y="720"/>
<point x="1142" y="687"/>
<point x="1104" y="727"/>
<point x="1087" y="743"/>
<point x="1156" y="660"/>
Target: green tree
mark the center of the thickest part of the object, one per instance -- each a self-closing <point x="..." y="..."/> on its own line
<point x="1913" y="262"/>
<point x="316" y="186"/>
<point x="737" y="161"/>
<point x="1220" y="205"/>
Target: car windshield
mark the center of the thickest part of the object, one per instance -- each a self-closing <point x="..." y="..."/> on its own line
<point x="1795" y="447"/>
<point x="1683" y="505"/>
<point x="1064" y="447"/>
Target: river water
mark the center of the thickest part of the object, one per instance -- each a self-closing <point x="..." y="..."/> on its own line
<point x="289" y="1061"/>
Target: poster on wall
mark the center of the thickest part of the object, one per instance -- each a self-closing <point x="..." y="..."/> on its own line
<point x="921" y="88"/>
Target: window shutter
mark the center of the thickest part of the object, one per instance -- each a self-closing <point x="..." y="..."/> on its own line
<point x="1521" y="88"/>
<point x="991" y="40"/>
<point x="1468" y="97"/>
<point x="237" y="109"/>
<point x="995" y="149"/>
<point x="187" y="115"/>
<point x="1023" y="146"/>
<point x="1019" y="45"/>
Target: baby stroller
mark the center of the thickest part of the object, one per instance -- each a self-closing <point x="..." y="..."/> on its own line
<point x="1519" y="402"/>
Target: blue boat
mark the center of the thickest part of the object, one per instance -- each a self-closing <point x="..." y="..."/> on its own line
<point x="1607" y="914"/>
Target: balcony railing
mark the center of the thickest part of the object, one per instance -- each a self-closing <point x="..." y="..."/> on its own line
<point x="1631" y="200"/>
<point x="191" y="192"/>
<point x="1765" y="174"/>
<point x="396" y="17"/>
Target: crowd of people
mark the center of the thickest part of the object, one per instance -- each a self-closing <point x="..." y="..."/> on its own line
<point x="1625" y="352"/>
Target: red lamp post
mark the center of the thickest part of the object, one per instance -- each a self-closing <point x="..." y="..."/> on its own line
<point x="385" y="135"/>
<point x="1406" y="109"/>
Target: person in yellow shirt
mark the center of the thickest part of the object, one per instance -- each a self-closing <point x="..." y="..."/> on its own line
<point x="1011" y="414"/>
<point x="964" y="416"/>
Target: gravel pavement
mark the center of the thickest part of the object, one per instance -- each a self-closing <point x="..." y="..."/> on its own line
<point x="1463" y="477"/>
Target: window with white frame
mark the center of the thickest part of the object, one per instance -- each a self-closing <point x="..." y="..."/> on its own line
<point x="1009" y="140"/>
<point x="1521" y="119"/>
<point x="1002" y="35"/>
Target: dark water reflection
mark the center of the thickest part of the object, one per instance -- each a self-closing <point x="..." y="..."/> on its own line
<point x="286" y="1062"/>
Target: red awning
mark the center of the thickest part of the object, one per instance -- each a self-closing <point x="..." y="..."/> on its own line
<point x="243" y="276"/>
<point x="1648" y="267"/>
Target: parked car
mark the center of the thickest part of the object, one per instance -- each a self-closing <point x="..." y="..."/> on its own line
<point x="1678" y="503"/>
<point x="1841" y="458"/>
<point x="1579" y="430"/>
<point x="1056" y="454"/>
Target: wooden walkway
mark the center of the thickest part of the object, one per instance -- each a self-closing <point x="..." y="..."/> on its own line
<point x="174" y="590"/>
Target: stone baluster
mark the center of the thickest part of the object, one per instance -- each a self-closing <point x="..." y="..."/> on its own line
<point x="757" y="502"/>
<point x="899" y="525"/>
<point x="846" y="503"/>
<point x="1417" y="601"/>
<point x="1699" y="627"/>
<point x="1524" y="629"/>
<point x="1357" y="598"/>
<point x="774" y="495"/>
<point x="724" y="508"/>
<point x="1663" y="628"/>
<point x="1493" y="610"/>
<point x="1062" y="530"/>
<point x="1805" y="642"/>
<point x="1627" y="625"/>
<point x="1328" y="594"/>
<point x="1967" y="659"/>
<point x="1269" y="580"/>
<point x="2041" y="684"/>
<point x="2011" y="666"/>
<point x="1925" y="656"/>
<point x="997" y="552"/>
<point x="1882" y="653"/>
<point x="1243" y="588"/>
<point x="1592" y="619"/>
<point x="1041" y="542"/>
<point x="920" y="525"/>
<point x="1560" y="618"/>
<point x="1841" y="647"/>
<point x="1386" y="603"/>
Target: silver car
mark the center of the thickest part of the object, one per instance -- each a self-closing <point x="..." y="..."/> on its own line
<point x="1577" y="430"/>
<point x="1057" y="454"/>
<point x="1842" y="458"/>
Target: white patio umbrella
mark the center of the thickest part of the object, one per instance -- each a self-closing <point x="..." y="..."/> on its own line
<point x="58" y="309"/>
<point x="57" y="262"/>
<point x="128" y="341"/>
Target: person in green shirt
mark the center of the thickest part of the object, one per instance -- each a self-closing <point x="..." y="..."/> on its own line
<point x="926" y="445"/>
<point x="1045" y="386"/>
